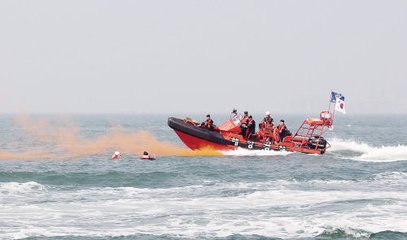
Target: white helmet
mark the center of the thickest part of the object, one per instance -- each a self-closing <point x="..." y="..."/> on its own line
<point x="267" y="113"/>
<point x="116" y="153"/>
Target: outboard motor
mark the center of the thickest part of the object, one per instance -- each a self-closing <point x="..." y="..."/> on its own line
<point x="317" y="142"/>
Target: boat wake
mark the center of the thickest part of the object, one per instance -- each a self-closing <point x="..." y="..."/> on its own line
<point x="360" y="151"/>
<point x="246" y="152"/>
<point x="342" y="148"/>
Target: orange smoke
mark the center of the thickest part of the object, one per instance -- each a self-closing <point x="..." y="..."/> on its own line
<point x="27" y="155"/>
<point x="68" y="141"/>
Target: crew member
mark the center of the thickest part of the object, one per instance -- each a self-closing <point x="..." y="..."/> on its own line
<point x="243" y="124"/>
<point x="208" y="123"/>
<point x="268" y="117"/>
<point x="235" y="117"/>
<point x="251" y="126"/>
<point x="267" y="121"/>
<point x="283" y="130"/>
<point x="266" y="129"/>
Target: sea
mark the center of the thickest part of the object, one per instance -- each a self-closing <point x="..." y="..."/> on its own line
<point x="58" y="181"/>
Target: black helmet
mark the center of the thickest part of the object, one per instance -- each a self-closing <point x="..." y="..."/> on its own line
<point x="281" y="120"/>
<point x="234" y="110"/>
<point x="208" y="115"/>
<point x="246" y="112"/>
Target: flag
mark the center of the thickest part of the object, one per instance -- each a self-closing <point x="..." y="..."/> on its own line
<point x="340" y="104"/>
<point x="334" y="95"/>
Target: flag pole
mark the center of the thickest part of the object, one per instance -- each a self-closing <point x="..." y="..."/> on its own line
<point x="333" y="110"/>
<point x="329" y="105"/>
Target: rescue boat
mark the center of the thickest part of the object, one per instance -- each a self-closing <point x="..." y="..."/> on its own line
<point x="227" y="136"/>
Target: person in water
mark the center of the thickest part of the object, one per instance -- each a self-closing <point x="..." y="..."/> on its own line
<point x="243" y="124"/>
<point x="208" y="123"/>
<point x="116" y="155"/>
<point x="147" y="156"/>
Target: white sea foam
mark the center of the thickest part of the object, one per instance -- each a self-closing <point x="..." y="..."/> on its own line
<point x="370" y="153"/>
<point x="280" y="208"/>
<point x="15" y="187"/>
<point x="247" y="152"/>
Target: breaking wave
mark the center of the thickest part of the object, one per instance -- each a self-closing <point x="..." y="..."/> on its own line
<point x="15" y="187"/>
<point x="365" y="152"/>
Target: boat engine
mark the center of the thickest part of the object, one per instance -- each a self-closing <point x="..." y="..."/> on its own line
<point x="317" y="142"/>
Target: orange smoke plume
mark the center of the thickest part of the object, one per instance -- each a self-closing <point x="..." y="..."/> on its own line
<point x="68" y="142"/>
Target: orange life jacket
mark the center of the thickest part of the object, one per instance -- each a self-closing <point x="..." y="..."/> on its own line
<point x="245" y="120"/>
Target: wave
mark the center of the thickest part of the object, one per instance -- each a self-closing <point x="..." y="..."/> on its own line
<point x="360" y="234"/>
<point x="247" y="152"/>
<point x="272" y="209"/>
<point x="364" y="152"/>
<point x="388" y="180"/>
<point x="16" y="187"/>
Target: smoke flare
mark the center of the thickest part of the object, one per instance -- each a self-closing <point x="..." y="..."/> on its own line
<point x="67" y="142"/>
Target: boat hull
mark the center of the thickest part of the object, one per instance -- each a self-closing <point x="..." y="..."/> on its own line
<point x="197" y="138"/>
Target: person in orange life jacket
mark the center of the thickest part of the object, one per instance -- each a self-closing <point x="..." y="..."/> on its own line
<point x="251" y="126"/>
<point x="243" y="123"/>
<point x="283" y="130"/>
<point x="208" y="123"/>
<point x="267" y="121"/>
<point x="266" y="129"/>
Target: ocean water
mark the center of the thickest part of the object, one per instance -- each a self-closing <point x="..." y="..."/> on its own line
<point x="357" y="190"/>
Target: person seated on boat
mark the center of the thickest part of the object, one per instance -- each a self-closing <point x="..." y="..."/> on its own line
<point x="208" y="123"/>
<point x="251" y="126"/>
<point x="283" y="130"/>
<point x="266" y="128"/>
<point x="267" y="121"/>
<point x="243" y="123"/>
<point x="235" y="117"/>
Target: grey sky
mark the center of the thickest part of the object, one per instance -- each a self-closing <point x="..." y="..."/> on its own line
<point x="202" y="56"/>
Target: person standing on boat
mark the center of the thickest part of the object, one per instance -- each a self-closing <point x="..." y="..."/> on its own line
<point x="268" y="117"/>
<point x="267" y="122"/>
<point x="251" y="126"/>
<point x="266" y="129"/>
<point x="243" y="124"/>
<point x="235" y="117"/>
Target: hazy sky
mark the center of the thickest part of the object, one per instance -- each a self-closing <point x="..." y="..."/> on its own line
<point x="202" y="56"/>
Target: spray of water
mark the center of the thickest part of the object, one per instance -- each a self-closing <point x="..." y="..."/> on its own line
<point x="366" y="152"/>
